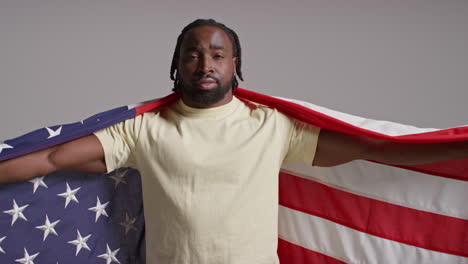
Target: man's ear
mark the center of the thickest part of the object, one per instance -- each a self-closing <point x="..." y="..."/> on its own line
<point x="234" y="63"/>
<point x="177" y="67"/>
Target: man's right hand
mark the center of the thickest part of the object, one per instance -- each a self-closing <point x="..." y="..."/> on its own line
<point x="83" y="154"/>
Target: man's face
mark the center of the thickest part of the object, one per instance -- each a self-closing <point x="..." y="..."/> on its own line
<point x="206" y="67"/>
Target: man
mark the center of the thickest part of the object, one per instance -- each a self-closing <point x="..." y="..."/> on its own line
<point x="209" y="162"/>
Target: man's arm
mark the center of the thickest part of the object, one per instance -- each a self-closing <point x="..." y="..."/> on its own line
<point x="84" y="154"/>
<point x="336" y="148"/>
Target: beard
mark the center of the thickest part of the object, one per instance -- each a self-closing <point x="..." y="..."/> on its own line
<point x="205" y="97"/>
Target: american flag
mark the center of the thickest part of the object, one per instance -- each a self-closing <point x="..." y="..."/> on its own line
<point x="359" y="212"/>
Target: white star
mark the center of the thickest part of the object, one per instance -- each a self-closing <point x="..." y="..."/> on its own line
<point x="99" y="209"/>
<point x="109" y="256"/>
<point x="48" y="227"/>
<point x="38" y="181"/>
<point x="54" y="133"/>
<point x="27" y="259"/>
<point x="1" y="249"/>
<point x="129" y="223"/>
<point x="80" y="242"/>
<point x="69" y="195"/>
<point x="4" y="146"/>
<point x="118" y="177"/>
<point x="16" y="212"/>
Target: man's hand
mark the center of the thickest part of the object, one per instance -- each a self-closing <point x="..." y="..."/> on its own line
<point x="336" y="148"/>
<point x="84" y="154"/>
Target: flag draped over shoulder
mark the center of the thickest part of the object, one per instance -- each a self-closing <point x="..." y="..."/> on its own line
<point x="359" y="212"/>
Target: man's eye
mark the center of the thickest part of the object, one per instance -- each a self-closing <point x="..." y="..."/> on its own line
<point x="218" y="56"/>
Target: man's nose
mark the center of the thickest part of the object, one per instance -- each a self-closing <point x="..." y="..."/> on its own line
<point x="206" y="64"/>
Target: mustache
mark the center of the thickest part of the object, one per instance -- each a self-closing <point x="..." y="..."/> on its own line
<point x="205" y="76"/>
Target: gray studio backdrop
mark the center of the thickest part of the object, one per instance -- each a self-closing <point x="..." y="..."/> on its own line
<point x="405" y="61"/>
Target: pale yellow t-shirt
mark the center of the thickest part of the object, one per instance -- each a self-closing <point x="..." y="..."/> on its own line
<point x="210" y="178"/>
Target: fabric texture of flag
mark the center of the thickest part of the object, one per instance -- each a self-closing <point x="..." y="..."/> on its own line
<point x="359" y="212"/>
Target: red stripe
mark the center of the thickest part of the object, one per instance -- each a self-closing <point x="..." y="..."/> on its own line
<point x="289" y="253"/>
<point x="410" y="226"/>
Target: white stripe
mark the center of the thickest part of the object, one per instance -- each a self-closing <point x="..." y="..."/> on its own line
<point x="383" y="127"/>
<point x="390" y="184"/>
<point x="352" y="246"/>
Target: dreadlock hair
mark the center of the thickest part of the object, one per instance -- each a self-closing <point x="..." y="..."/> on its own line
<point x="235" y="47"/>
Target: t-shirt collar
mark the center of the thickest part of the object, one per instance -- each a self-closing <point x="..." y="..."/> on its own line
<point x="218" y="111"/>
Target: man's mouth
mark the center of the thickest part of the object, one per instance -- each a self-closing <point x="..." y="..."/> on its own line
<point x="207" y="83"/>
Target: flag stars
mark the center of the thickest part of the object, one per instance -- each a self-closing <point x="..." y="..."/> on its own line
<point x="1" y="249"/>
<point x="69" y="195"/>
<point x="129" y="223"/>
<point x="54" y="133"/>
<point x="109" y="256"/>
<point x="38" y="181"/>
<point x="4" y="146"/>
<point x="80" y="242"/>
<point x="27" y="259"/>
<point x="99" y="209"/>
<point x="118" y="177"/>
<point x="16" y="212"/>
<point x="48" y="227"/>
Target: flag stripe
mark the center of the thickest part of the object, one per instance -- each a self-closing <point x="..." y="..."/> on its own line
<point x="291" y="253"/>
<point x="391" y="184"/>
<point x="422" y="229"/>
<point x="351" y="246"/>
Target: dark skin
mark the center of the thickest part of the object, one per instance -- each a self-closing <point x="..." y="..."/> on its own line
<point x="208" y="51"/>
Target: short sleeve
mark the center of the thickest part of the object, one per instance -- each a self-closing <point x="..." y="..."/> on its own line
<point x="118" y="142"/>
<point x="302" y="143"/>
